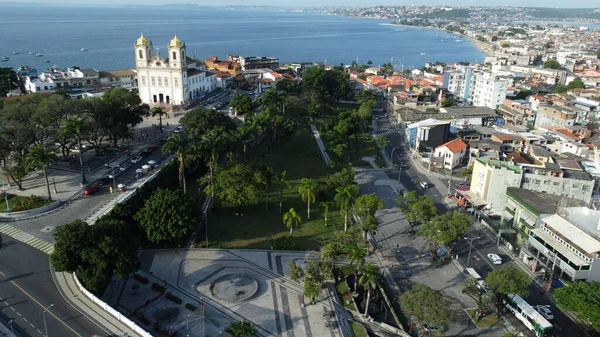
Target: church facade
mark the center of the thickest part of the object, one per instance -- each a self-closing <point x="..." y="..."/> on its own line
<point x="173" y="80"/>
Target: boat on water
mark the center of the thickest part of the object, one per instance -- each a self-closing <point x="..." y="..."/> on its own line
<point x="5" y="59"/>
<point x="31" y="53"/>
<point x="15" y="53"/>
<point x="47" y="61"/>
<point x="84" y="49"/>
<point x="423" y="53"/>
<point x="39" y="55"/>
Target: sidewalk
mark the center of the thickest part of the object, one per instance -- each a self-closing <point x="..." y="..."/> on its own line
<point x="68" y="289"/>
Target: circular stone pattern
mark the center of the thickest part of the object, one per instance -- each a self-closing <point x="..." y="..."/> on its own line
<point x="234" y="288"/>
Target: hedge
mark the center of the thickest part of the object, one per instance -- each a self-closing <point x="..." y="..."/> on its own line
<point x="158" y="287"/>
<point x="190" y="307"/>
<point x="173" y="298"/>
<point x="140" y="278"/>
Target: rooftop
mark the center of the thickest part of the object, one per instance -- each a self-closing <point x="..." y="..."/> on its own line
<point x="537" y="203"/>
<point x="469" y="111"/>
<point x="454" y="146"/>
<point x="576" y="226"/>
<point x="500" y="164"/>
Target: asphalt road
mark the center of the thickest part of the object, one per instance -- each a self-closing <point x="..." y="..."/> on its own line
<point x="26" y="288"/>
<point x="411" y="179"/>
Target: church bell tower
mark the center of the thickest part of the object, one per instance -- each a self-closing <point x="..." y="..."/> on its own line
<point x="143" y="51"/>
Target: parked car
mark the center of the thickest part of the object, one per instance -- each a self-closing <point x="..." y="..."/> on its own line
<point x="424" y="184"/>
<point x="545" y="311"/>
<point x="91" y="189"/>
<point x="151" y="148"/>
<point x="403" y="167"/>
<point x="494" y="258"/>
<point x="136" y="159"/>
<point x="125" y="166"/>
<point x="104" y="181"/>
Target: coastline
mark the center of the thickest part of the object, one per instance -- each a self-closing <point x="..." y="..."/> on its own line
<point x="485" y="47"/>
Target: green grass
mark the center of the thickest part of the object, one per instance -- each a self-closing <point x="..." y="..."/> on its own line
<point x="257" y="228"/>
<point x="486" y="322"/>
<point x="342" y="291"/>
<point x="14" y="200"/>
<point x="358" y="329"/>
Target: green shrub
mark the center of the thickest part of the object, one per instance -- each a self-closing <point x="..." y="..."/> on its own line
<point x="285" y="243"/>
<point x="173" y="298"/>
<point x="140" y="278"/>
<point x="30" y="202"/>
<point x="190" y="307"/>
<point x="242" y="329"/>
<point x="158" y="287"/>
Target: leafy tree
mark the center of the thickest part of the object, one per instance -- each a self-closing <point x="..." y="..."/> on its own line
<point x="494" y="38"/>
<point x="312" y="289"/>
<point x="198" y="121"/>
<point x="552" y="64"/>
<point x="168" y="215"/>
<point x="95" y="252"/>
<point x="369" y="275"/>
<point x="523" y="94"/>
<point x="341" y="178"/>
<point x="344" y="198"/>
<point x="426" y="305"/>
<point x="179" y="145"/>
<point x="307" y="190"/>
<point x="598" y="53"/>
<point x="236" y="184"/>
<point x="41" y="156"/>
<point x="388" y="68"/>
<point x="291" y="218"/>
<point x="160" y="112"/>
<point x="368" y="204"/>
<point x="417" y="208"/>
<point x="507" y="280"/>
<point x="483" y="299"/>
<point x="367" y="97"/>
<point x="99" y="121"/>
<point x="7" y="75"/>
<point x="296" y="273"/>
<point x="368" y="224"/>
<point x="241" y="103"/>
<point x="242" y="329"/>
<point x="285" y="86"/>
<point x="448" y="101"/>
<point x="560" y="89"/>
<point x="282" y="182"/>
<point x="77" y="127"/>
<point x="576" y="84"/>
<point x="124" y="108"/>
<point x="356" y="256"/>
<point x="505" y="45"/>
<point x="582" y="299"/>
<point x="444" y="228"/>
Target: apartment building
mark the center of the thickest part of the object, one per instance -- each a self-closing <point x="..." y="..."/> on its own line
<point x="255" y="62"/>
<point x="489" y="182"/>
<point x="123" y="78"/>
<point x="554" y="116"/>
<point x="479" y="88"/>
<point x="569" y="244"/>
<point x="509" y="142"/>
<point x="466" y="117"/>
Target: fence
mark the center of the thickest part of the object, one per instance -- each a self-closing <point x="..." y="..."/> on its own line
<point x="112" y="311"/>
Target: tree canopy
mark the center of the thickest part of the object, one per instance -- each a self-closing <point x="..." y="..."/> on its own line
<point x="583" y="299"/>
<point x="198" y="121"/>
<point x="426" y="305"/>
<point x="507" y="280"/>
<point x="417" y="208"/>
<point x="236" y="184"/>
<point x="168" y="215"/>
<point x="552" y="64"/>
<point x="576" y="84"/>
<point x="242" y="103"/>
<point x="7" y="75"/>
<point x="445" y="228"/>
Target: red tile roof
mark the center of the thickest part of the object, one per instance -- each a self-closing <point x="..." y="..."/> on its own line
<point x="540" y="98"/>
<point x="454" y="146"/>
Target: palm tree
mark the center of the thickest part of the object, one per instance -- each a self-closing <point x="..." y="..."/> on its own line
<point x="312" y="289"/>
<point x="290" y="219"/>
<point x="325" y="205"/>
<point x="280" y="178"/>
<point x="179" y="146"/>
<point x="160" y="113"/>
<point x="368" y="280"/>
<point x="40" y="155"/>
<point x="307" y="190"/>
<point x="368" y="224"/>
<point x="356" y="255"/>
<point x="76" y="127"/>
<point x="265" y="177"/>
<point x="345" y="198"/>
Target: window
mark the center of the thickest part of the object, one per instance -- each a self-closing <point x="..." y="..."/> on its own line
<point x="176" y="81"/>
<point x="140" y="54"/>
<point x="143" y="80"/>
<point x="159" y="81"/>
<point x="166" y="81"/>
<point x="153" y="82"/>
<point x="174" y="56"/>
<point x="556" y="183"/>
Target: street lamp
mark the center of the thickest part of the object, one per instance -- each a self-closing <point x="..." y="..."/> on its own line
<point x="399" y="168"/>
<point x="44" y="318"/>
<point x="470" y="247"/>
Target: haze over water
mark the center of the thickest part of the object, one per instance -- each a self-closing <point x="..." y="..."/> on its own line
<point x="59" y="33"/>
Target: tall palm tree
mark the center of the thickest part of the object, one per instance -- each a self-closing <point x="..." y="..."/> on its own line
<point x="307" y="190"/>
<point x="160" y="112"/>
<point x="368" y="280"/>
<point x="356" y="255"/>
<point x="312" y="289"/>
<point x="39" y="155"/>
<point x="77" y="127"/>
<point x="344" y="199"/>
<point x="290" y="219"/>
<point x="325" y="206"/>
<point x="266" y="178"/>
<point x="179" y="146"/>
<point x="281" y="180"/>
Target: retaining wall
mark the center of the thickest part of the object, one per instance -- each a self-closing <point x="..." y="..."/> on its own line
<point x="30" y="212"/>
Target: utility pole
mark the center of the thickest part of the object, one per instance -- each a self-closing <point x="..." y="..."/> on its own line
<point x="470" y="247"/>
<point x="44" y="318"/>
<point x="449" y="180"/>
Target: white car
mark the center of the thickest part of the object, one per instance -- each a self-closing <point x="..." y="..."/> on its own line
<point x="136" y="160"/>
<point x="424" y="184"/>
<point x="495" y="258"/>
<point x="544" y="310"/>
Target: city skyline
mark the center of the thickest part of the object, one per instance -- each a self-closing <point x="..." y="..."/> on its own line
<point x="315" y="3"/>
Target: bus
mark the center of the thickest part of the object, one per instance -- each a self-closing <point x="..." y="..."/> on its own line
<point x="480" y="283"/>
<point x="528" y="315"/>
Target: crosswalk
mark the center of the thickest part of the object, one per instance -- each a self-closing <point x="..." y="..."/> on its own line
<point x="386" y="129"/>
<point x="27" y="238"/>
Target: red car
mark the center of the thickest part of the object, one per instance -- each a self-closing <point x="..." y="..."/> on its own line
<point x="91" y="190"/>
<point x="151" y="148"/>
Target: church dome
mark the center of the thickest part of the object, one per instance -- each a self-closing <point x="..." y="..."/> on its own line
<point x="142" y="41"/>
<point x="176" y="42"/>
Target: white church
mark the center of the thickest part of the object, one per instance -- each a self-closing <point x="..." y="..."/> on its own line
<point x="171" y="81"/>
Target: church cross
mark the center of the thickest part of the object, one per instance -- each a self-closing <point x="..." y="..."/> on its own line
<point x="157" y="50"/>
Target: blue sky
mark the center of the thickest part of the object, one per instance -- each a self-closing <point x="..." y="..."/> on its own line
<point x="304" y="3"/>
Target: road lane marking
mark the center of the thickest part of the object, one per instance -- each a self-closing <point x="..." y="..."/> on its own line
<point x="41" y="306"/>
<point x="18" y="313"/>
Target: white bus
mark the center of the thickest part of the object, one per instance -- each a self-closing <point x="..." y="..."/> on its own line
<point x="480" y="283"/>
<point x="473" y="273"/>
<point x="528" y="315"/>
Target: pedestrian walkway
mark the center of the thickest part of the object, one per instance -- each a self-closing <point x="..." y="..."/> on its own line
<point x="27" y="238"/>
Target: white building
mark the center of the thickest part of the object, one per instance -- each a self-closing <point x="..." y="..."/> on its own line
<point x="451" y="153"/>
<point x="488" y="90"/>
<point x="173" y="80"/>
<point x="124" y="78"/>
<point x="34" y="84"/>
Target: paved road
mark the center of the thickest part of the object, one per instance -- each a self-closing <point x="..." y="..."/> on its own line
<point x="411" y="178"/>
<point x="26" y="288"/>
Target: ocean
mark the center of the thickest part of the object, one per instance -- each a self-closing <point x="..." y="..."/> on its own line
<point x="59" y="33"/>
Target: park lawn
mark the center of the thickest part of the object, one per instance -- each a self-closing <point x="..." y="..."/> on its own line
<point x="358" y="329"/>
<point x="486" y="322"/>
<point x="257" y="228"/>
<point x="342" y="291"/>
